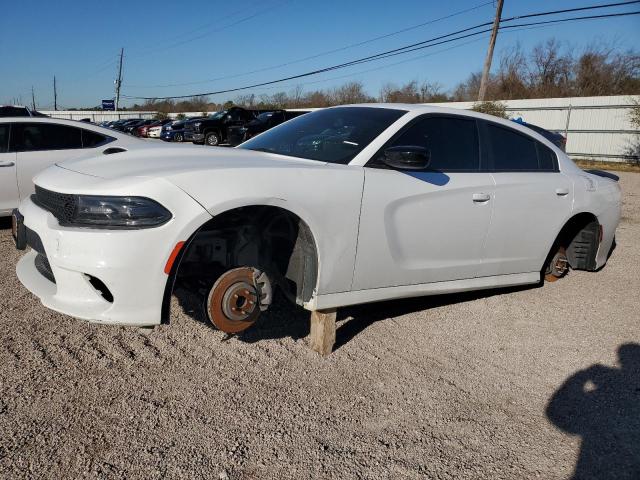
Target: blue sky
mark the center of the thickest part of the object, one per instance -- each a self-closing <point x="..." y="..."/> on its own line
<point x="169" y="43"/>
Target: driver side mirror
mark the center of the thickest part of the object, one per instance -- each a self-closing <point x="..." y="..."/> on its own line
<point x="407" y="157"/>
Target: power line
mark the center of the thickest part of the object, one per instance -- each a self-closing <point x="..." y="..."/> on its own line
<point x="518" y="17"/>
<point x="406" y="49"/>
<point x="389" y="65"/>
<point x="321" y="54"/>
<point x="224" y="27"/>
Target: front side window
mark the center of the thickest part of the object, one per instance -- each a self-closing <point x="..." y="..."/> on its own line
<point x="4" y="138"/>
<point x="46" y="136"/>
<point x="510" y="150"/>
<point x="452" y="142"/>
<point x="334" y="135"/>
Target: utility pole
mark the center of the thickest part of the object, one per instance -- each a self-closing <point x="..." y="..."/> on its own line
<point x="119" y="80"/>
<point x="487" y="61"/>
<point x="55" y="94"/>
<point x="33" y="99"/>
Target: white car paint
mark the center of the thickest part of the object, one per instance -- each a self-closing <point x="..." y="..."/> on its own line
<point x="17" y="169"/>
<point x="154" y="132"/>
<point x="379" y="233"/>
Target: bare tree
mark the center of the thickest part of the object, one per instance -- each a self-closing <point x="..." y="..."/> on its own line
<point x="550" y="70"/>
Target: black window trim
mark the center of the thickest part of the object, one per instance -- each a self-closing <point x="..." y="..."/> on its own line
<point x="107" y="138"/>
<point x="482" y="167"/>
<point x="13" y="131"/>
<point x="9" y="150"/>
<point x="486" y="147"/>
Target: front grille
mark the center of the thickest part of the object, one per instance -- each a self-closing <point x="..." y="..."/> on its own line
<point x="62" y="205"/>
<point x="42" y="265"/>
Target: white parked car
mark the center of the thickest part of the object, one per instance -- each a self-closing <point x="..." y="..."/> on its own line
<point x="341" y="206"/>
<point x="154" y="132"/>
<point x="31" y="144"/>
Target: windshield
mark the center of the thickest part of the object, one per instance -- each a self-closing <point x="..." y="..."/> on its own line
<point x="218" y="115"/>
<point x="334" y="135"/>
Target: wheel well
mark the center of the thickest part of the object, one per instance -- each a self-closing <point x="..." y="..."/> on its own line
<point x="269" y="238"/>
<point x="580" y="237"/>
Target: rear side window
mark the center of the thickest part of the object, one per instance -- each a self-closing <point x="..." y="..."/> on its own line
<point x="451" y="141"/>
<point x="4" y="138"/>
<point x="546" y="158"/>
<point x="511" y="151"/>
<point x="31" y="137"/>
<point x="91" y="139"/>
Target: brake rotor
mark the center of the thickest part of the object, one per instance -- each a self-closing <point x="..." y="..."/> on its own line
<point x="233" y="304"/>
<point x="558" y="267"/>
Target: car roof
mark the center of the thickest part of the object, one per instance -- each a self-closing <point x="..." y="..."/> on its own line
<point x="416" y="109"/>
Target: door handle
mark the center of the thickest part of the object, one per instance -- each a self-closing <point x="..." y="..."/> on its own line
<point x="7" y="164"/>
<point x="481" y="197"/>
<point x="561" y="192"/>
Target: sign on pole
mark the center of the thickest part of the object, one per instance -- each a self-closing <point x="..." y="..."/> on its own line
<point x="108" y="105"/>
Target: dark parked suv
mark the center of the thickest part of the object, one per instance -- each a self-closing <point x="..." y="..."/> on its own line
<point x="213" y="130"/>
<point x="175" y="131"/>
<point x="263" y="122"/>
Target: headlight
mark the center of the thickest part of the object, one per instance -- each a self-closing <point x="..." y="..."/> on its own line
<point x="118" y="212"/>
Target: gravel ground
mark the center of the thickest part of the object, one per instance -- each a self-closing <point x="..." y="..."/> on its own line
<point x="447" y="387"/>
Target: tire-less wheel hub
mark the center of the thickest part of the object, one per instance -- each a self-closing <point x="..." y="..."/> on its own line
<point x="558" y="266"/>
<point x="237" y="298"/>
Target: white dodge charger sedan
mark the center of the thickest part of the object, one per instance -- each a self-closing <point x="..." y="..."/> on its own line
<point x="31" y="144"/>
<point x="341" y="206"/>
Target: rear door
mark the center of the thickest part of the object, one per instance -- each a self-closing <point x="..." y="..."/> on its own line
<point x="8" y="183"/>
<point x="425" y="226"/>
<point x="533" y="200"/>
<point x="40" y="145"/>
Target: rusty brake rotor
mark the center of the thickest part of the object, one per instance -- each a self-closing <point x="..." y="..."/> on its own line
<point x="233" y="304"/>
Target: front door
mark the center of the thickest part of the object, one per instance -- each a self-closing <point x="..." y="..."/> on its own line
<point x="427" y="226"/>
<point x="8" y="182"/>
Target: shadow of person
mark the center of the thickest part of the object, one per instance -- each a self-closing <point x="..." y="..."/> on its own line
<point x="602" y="405"/>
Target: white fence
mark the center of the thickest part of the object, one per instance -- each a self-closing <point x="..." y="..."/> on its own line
<point x="96" y="116"/>
<point x="597" y="128"/>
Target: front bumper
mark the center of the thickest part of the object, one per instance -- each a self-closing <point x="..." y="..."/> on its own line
<point x="130" y="263"/>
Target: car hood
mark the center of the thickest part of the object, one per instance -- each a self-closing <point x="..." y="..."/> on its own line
<point x="172" y="161"/>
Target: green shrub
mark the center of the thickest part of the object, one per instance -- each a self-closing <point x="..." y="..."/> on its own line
<point x="497" y="109"/>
